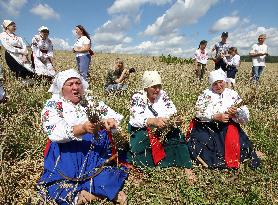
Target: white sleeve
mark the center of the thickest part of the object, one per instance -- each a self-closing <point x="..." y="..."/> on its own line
<point x="170" y="108"/>
<point x="204" y="108"/>
<point x="50" y="49"/>
<point x="195" y="55"/>
<point x="9" y="47"/>
<point x="86" y="41"/>
<point x="54" y="124"/>
<point x="138" y="117"/>
<point x="253" y="49"/>
<point x="35" y="48"/>
<point x="107" y="112"/>
<point x="23" y="50"/>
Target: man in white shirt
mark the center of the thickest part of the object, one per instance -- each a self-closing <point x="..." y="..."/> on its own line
<point x="258" y="53"/>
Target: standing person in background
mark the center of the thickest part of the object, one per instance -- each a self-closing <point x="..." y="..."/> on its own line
<point x="258" y="53"/>
<point x="201" y="59"/>
<point x="16" y="51"/>
<point x="116" y="77"/>
<point x="221" y="49"/>
<point x="233" y="62"/>
<point x="82" y="49"/>
<point x="42" y="54"/>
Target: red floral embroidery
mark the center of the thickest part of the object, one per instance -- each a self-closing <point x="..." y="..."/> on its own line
<point x="59" y="106"/>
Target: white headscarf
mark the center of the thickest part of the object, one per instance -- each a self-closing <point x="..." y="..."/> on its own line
<point x="62" y="77"/>
<point x="43" y="28"/>
<point x="218" y="74"/>
<point x="6" y="23"/>
<point x="150" y="78"/>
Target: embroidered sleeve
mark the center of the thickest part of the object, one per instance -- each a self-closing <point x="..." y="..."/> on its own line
<point x="170" y="108"/>
<point x="107" y="112"/>
<point x="54" y="124"/>
<point x="204" y="107"/>
<point x="8" y="46"/>
<point x="242" y="115"/>
<point x="50" y="49"/>
<point x="138" y="118"/>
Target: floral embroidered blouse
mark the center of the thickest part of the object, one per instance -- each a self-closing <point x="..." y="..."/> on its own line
<point x="210" y="103"/>
<point x="42" y="48"/>
<point x="13" y="43"/>
<point x="141" y="109"/>
<point x="59" y="116"/>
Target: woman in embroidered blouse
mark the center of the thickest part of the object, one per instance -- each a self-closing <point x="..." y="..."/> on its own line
<point x="42" y="54"/>
<point x="201" y="59"/>
<point x="151" y="108"/>
<point x="82" y="49"/>
<point x="74" y="156"/>
<point x="216" y="139"/>
<point x="16" y="51"/>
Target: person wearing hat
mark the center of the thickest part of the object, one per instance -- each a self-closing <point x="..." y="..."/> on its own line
<point x="42" y="54"/>
<point x="215" y="138"/>
<point x="78" y="162"/>
<point x="221" y="49"/>
<point x="150" y="111"/>
<point x="258" y="53"/>
<point x="16" y="54"/>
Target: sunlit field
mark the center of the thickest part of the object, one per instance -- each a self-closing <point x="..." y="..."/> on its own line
<point x="22" y="141"/>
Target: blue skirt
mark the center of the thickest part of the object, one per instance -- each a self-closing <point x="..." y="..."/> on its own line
<point x="80" y="160"/>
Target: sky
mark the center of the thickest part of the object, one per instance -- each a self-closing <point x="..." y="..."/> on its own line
<point x="148" y="27"/>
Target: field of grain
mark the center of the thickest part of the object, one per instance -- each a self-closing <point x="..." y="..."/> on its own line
<point x="22" y="140"/>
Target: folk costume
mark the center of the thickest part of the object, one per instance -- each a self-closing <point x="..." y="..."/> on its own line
<point x="42" y="54"/>
<point x="16" y="53"/>
<point x="145" y="146"/>
<point x="218" y="144"/>
<point x="73" y="164"/>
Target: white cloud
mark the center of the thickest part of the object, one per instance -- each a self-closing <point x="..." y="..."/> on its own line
<point x="45" y="12"/>
<point x="60" y="44"/>
<point x="131" y="6"/>
<point x="181" y="13"/>
<point x="225" y="23"/>
<point x="13" y="6"/>
<point x="113" y="31"/>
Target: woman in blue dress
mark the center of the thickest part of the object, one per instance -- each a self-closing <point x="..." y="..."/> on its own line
<point x="78" y="164"/>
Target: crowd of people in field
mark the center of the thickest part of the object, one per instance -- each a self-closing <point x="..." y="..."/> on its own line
<point x="81" y="161"/>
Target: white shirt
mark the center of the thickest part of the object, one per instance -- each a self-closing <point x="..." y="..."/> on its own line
<point x="139" y="111"/>
<point x="233" y="60"/>
<point x="259" y="60"/>
<point x="201" y="56"/>
<point x="59" y="116"/>
<point x="83" y="40"/>
<point x="210" y="103"/>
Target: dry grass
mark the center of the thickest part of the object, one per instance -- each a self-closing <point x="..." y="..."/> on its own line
<point x="22" y="141"/>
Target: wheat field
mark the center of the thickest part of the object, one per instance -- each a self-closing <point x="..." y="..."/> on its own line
<point x="22" y="140"/>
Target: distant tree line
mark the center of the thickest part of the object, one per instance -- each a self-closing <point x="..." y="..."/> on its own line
<point x="269" y="59"/>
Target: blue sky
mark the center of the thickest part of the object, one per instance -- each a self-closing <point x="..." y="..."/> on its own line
<point x="151" y="27"/>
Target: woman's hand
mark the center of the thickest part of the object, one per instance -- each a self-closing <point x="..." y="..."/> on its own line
<point x="110" y="123"/>
<point x="88" y="127"/>
<point x="232" y="111"/>
<point x="224" y="117"/>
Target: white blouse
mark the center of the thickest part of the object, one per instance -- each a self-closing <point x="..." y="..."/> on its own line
<point x="38" y="44"/>
<point x="83" y="40"/>
<point x="13" y="43"/>
<point x="201" y="56"/>
<point x="210" y="103"/>
<point x="139" y="111"/>
<point x="59" y="116"/>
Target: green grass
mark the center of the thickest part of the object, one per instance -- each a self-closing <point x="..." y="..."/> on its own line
<point x="22" y="140"/>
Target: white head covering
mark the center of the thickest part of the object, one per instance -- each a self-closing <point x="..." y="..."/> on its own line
<point x="62" y="77"/>
<point x="218" y="74"/>
<point x="6" y="23"/>
<point x="43" y="28"/>
<point x="151" y="78"/>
